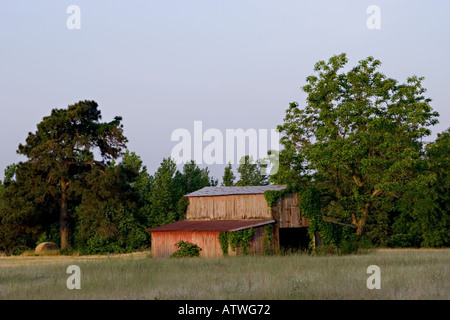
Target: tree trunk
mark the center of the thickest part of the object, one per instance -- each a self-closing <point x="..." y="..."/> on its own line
<point x="64" y="217"/>
<point x="362" y="220"/>
<point x="365" y="213"/>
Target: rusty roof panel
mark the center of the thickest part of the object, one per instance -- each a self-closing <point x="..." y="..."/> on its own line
<point x="225" y="191"/>
<point x="211" y="225"/>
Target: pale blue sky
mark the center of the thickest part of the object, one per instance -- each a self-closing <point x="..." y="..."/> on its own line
<point x="161" y="65"/>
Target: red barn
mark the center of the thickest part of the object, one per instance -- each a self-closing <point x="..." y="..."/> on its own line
<point x="212" y="210"/>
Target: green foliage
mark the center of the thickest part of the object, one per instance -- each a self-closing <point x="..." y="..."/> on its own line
<point x="182" y="206"/>
<point x="272" y="196"/>
<point x="99" y="244"/>
<point x="400" y="240"/>
<point x="332" y="234"/>
<point x="10" y="173"/>
<point x="236" y="239"/>
<point x="108" y="218"/>
<point x="268" y="239"/>
<point x="186" y="250"/>
<point x="52" y="235"/>
<point x="223" y="240"/>
<point x="359" y="140"/>
<point x="42" y="238"/>
<point x="167" y="202"/>
<point x="26" y="211"/>
<point x="291" y="166"/>
<point x="251" y="173"/>
<point x="423" y="218"/>
<point x="165" y="194"/>
<point x="193" y="178"/>
<point x="228" y="176"/>
<point x="241" y="239"/>
<point x="60" y="153"/>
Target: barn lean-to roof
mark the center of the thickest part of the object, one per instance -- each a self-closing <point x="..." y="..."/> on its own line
<point x="211" y="225"/>
<point x="228" y="191"/>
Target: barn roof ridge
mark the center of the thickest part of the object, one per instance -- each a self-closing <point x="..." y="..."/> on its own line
<point x="234" y="190"/>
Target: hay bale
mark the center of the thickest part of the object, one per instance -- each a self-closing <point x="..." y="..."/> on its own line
<point x="46" y="246"/>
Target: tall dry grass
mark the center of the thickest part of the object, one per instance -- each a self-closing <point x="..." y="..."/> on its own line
<point x="405" y="274"/>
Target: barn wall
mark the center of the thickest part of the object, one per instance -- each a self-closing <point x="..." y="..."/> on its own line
<point x="257" y="243"/>
<point x="163" y="243"/>
<point x="276" y="237"/>
<point x="287" y="213"/>
<point x="231" y="207"/>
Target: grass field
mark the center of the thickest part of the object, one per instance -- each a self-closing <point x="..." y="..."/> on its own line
<point x="405" y="274"/>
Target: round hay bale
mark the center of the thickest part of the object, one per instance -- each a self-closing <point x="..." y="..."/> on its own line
<point x="46" y="246"/>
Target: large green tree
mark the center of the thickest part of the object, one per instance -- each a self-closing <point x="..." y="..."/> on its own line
<point x="359" y="136"/>
<point x="62" y="151"/>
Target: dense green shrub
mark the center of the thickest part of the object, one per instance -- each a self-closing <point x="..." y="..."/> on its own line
<point x="186" y="249"/>
<point x="403" y="240"/>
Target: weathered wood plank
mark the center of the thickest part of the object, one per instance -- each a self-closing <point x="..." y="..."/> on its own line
<point x="232" y="207"/>
<point x="163" y="243"/>
<point x="287" y="213"/>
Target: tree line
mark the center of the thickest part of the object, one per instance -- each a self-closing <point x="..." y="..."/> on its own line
<point x="358" y="141"/>
<point x="62" y="193"/>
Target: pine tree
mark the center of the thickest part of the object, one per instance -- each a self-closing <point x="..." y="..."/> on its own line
<point x="228" y="176"/>
<point x="61" y="152"/>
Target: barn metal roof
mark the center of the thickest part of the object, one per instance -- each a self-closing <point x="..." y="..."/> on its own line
<point x="211" y="225"/>
<point x="225" y="191"/>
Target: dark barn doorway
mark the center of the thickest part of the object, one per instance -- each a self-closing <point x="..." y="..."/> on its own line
<point x="294" y="239"/>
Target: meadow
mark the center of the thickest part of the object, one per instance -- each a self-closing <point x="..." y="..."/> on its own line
<point x="405" y="274"/>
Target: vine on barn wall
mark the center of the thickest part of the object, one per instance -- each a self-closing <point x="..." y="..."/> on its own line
<point x="268" y="239"/>
<point x="223" y="240"/>
<point x="236" y="239"/>
<point x="333" y="235"/>
<point x="272" y="196"/>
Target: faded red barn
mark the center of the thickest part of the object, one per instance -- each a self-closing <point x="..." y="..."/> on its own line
<point x="212" y="210"/>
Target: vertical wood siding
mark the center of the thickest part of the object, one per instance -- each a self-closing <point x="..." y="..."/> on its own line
<point x="163" y="243"/>
<point x="287" y="213"/>
<point x="234" y="207"/>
